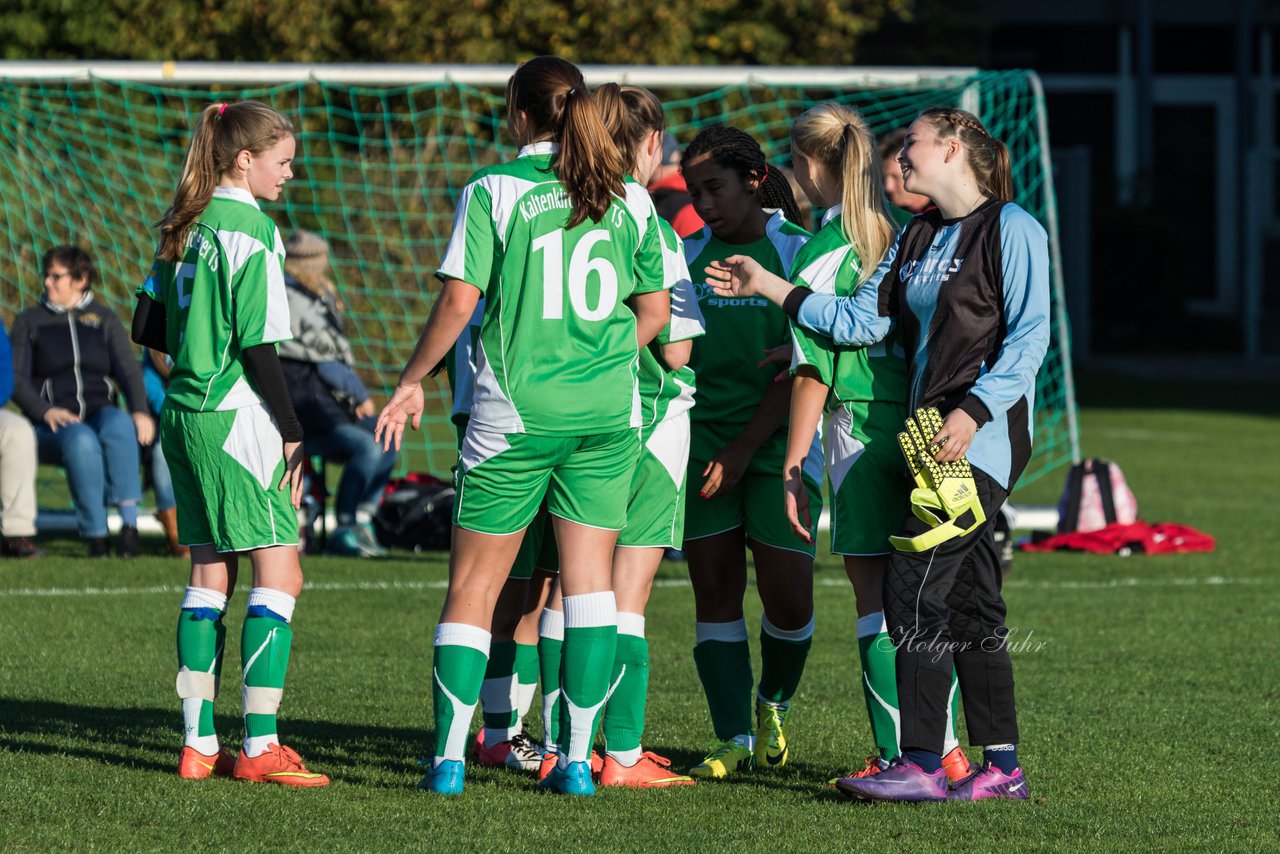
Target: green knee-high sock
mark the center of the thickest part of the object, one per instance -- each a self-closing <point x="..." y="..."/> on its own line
<point x="550" y="655"/>
<point x="723" y="659"/>
<point x="783" y="653"/>
<point x="880" y="682"/>
<point x="526" y="679"/>
<point x="460" y="655"/>
<point x="265" y="640"/>
<point x="498" y="698"/>
<point x="623" y="722"/>
<point x="201" y="639"/>
<point x="590" y="642"/>
<point x="952" y="740"/>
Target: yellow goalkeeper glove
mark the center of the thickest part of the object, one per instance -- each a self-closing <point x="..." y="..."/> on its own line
<point x="945" y="497"/>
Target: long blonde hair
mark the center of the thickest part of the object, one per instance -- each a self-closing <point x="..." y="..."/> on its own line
<point x="552" y="94"/>
<point x="837" y="137"/>
<point x="222" y="132"/>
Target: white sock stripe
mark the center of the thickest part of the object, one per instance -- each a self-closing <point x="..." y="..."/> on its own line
<point x="871" y="625"/>
<point x="277" y="601"/>
<point x="203" y="597"/>
<point x="893" y="713"/>
<point x="453" y="743"/>
<point x="631" y="623"/>
<point x="795" y="635"/>
<point x="723" y="632"/>
<point x="496" y="695"/>
<point x="462" y="634"/>
<point x="590" y="610"/>
<point x="551" y="625"/>
<point x="951" y="740"/>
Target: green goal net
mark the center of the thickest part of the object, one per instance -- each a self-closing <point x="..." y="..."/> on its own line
<point x="93" y="161"/>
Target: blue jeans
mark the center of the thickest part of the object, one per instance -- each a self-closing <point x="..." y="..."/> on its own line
<point x="100" y="455"/>
<point x="366" y="467"/>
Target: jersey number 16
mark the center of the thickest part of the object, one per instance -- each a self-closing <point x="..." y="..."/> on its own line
<point x="581" y="265"/>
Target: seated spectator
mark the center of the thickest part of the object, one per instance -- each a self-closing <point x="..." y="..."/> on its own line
<point x="17" y="469"/>
<point x="70" y="356"/>
<point x="155" y="375"/>
<point x="332" y="403"/>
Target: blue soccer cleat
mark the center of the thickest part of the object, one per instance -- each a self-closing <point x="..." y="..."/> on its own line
<point x="575" y="779"/>
<point x="444" y="779"/>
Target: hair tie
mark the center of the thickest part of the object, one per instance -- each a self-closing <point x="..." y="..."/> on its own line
<point x="571" y="91"/>
<point x="222" y="108"/>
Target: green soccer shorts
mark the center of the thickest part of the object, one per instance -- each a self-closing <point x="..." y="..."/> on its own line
<point x="537" y="549"/>
<point x="226" y="469"/>
<point x="655" y="509"/>
<point x="755" y="502"/>
<point x="504" y="478"/>
<point x="869" y="487"/>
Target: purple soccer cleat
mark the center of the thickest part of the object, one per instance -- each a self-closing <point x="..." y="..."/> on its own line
<point x="901" y="781"/>
<point x="990" y="782"/>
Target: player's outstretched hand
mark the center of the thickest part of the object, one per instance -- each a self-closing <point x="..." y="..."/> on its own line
<point x="735" y="276"/>
<point x="404" y="407"/>
<point x="797" y="503"/>
<point x="293" y="474"/>
<point x="955" y="437"/>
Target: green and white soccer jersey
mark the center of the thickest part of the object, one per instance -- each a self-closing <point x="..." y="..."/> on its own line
<point x="730" y="388"/>
<point x="739" y="329"/>
<point x="226" y="295"/>
<point x="655" y="508"/>
<point x="224" y="450"/>
<point x="869" y="489"/>
<point x="556" y="354"/>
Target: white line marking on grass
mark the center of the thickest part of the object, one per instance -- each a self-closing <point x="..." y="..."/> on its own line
<point x="441" y="584"/>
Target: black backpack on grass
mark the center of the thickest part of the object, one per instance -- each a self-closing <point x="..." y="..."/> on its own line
<point x="416" y="514"/>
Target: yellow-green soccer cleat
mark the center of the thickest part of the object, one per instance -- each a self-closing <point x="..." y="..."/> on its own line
<point x="725" y="758"/>
<point x="771" y="739"/>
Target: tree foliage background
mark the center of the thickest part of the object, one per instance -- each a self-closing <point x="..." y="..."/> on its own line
<point x="690" y="32"/>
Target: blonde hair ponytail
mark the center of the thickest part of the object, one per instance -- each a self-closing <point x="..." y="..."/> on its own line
<point x="838" y="137"/>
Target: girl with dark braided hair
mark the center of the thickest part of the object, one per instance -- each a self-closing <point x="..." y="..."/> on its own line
<point x="739" y="440"/>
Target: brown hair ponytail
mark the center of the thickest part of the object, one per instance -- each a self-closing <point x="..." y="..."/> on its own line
<point x="222" y="132"/>
<point x="987" y="156"/>
<point x="838" y="137"/>
<point x="557" y="105"/>
<point x="629" y="113"/>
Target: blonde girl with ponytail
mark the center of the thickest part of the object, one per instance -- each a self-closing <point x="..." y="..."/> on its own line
<point x="567" y="258"/>
<point x="215" y="302"/>
<point x="838" y="166"/>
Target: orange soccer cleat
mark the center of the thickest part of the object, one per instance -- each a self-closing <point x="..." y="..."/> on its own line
<point x="956" y="764"/>
<point x="194" y="765"/>
<point x="874" y="766"/>
<point x="650" y="772"/>
<point x="279" y="764"/>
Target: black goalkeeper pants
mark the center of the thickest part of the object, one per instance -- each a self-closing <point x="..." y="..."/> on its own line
<point x="944" y="610"/>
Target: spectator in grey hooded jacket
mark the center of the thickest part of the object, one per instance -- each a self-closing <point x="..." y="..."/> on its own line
<point x="332" y="403"/>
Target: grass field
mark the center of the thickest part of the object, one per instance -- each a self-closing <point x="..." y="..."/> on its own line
<point x="1149" y="713"/>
